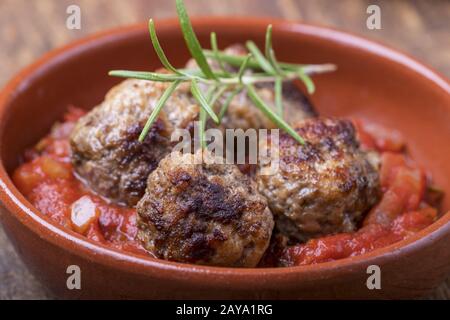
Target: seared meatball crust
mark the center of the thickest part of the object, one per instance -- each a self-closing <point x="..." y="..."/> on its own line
<point x="322" y="187"/>
<point x="106" y="153"/>
<point x="209" y="214"/>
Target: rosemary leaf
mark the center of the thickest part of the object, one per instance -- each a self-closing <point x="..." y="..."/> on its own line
<point x="192" y="42"/>
<point x="161" y="102"/>
<point x="260" y="104"/>
<point x="268" y="41"/>
<point x="262" y="61"/>
<point x="270" y="53"/>
<point x="159" y="51"/>
<point x="243" y="67"/>
<point x="202" y="125"/>
<point x="274" y="62"/>
<point x="203" y="116"/>
<point x="278" y="88"/>
<point x="151" y="76"/>
<point x="310" y="87"/>
<point x="215" y="50"/>
<point x="202" y="101"/>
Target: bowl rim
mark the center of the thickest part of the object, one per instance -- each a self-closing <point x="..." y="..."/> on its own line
<point x="16" y="204"/>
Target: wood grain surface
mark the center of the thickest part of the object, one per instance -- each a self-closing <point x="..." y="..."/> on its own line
<point x="29" y="28"/>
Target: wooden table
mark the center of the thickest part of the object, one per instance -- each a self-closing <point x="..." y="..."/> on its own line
<point x="29" y="28"/>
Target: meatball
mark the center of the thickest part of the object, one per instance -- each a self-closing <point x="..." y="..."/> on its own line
<point x="106" y="152"/>
<point x="322" y="187"/>
<point x="243" y="114"/>
<point x="207" y="213"/>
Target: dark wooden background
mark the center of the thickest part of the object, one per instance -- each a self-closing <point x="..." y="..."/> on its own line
<point x="29" y="28"/>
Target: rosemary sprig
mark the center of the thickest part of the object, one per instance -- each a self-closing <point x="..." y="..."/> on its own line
<point x="264" y="68"/>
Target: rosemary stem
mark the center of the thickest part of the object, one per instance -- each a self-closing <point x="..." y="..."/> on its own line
<point x="251" y="79"/>
<point x="237" y="61"/>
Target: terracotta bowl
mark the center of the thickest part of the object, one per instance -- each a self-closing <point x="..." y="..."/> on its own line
<point x="373" y="82"/>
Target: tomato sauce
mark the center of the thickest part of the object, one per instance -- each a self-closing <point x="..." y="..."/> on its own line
<point x="47" y="179"/>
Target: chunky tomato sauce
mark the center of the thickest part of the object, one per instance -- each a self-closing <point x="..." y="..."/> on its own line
<point x="47" y="179"/>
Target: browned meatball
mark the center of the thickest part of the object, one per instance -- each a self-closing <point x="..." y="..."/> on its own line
<point x="207" y="214"/>
<point x="322" y="187"/>
<point x="106" y="152"/>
